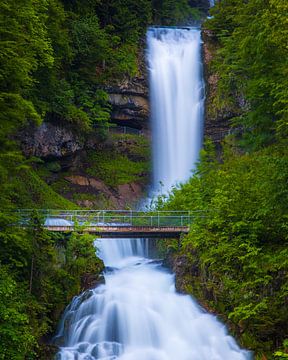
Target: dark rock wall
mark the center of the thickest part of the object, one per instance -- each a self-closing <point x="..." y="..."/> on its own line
<point x="130" y="103"/>
<point x="51" y="141"/>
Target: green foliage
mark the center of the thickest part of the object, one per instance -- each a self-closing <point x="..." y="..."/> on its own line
<point x="171" y="12"/>
<point x="127" y="19"/>
<point x="238" y="240"/>
<point x="39" y="274"/>
<point x="81" y="255"/>
<point x="15" y="330"/>
<point x="116" y="169"/>
<point x="178" y="12"/>
<point x="137" y="148"/>
<point x="252" y="61"/>
<point x="24" y="43"/>
<point x="25" y="47"/>
<point x="28" y="190"/>
<point x="282" y="354"/>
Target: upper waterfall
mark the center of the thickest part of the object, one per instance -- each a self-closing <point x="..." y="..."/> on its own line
<point x="177" y="97"/>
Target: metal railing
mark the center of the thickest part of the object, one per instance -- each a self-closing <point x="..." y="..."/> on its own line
<point x="119" y="129"/>
<point x="125" y="130"/>
<point x="109" y="218"/>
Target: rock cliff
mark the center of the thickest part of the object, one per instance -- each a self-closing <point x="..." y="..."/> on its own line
<point x="130" y="104"/>
<point x="71" y="160"/>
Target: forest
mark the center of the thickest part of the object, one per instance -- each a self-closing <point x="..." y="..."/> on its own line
<point x="56" y="58"/>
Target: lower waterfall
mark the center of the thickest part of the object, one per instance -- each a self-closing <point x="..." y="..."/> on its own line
<point x="137" y="314"/>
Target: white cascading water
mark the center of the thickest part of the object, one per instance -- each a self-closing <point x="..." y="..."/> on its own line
<point x="177" y="101"/>
<point x="137" y="314"/>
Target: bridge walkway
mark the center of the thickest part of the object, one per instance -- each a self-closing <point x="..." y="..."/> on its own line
<point x="113" y="223"/>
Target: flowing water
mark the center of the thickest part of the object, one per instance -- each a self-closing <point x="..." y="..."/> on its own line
<point x="137" y="314"/>
<point x="211" y="3"/>
<point x="177" y="101"/>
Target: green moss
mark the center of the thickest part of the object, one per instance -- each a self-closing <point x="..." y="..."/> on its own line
<point x="53" y="166"/>
<point x="137" y="145"/>
<point x="116" y="169"/>
<point x="99" y="200"/>
<point x="61" y="185"/>
<point x="33" y="192"/>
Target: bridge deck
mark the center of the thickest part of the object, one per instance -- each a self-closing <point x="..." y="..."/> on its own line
<point x="126" y="231"/>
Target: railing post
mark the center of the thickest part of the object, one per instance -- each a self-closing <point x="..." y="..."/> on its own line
<point x="151" y="221"/>
<point x="131" y="218"/>
<point x="158" y="219"/>
<point x="181" y="220"/>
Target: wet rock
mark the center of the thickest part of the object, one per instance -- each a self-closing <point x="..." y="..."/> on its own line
<point x="156" y="262"/>
<point x="59" y="340"/>
<point x="83" y="297"/>
<point x="90" y="281"/>
<point x="50" y="141"/>
<point x="130" y="100"/>
<point x="132" y="110"/>
<point x="110" y="269"/>
<point x="47" y="351"/>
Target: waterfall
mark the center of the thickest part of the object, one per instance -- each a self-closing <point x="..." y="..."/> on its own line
<point x="177" y="101"/>
<point x="137" y="314"/>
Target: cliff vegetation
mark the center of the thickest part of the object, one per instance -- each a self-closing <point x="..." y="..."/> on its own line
<point x="235" y="257"/>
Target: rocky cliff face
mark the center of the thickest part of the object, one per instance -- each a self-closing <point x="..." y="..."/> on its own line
<point x="51" y="141"/>
<point x="130" y="103"/>
<point x="67" y="154"/>
<point x="130" y="107"/>
<point x="130" y="99"/>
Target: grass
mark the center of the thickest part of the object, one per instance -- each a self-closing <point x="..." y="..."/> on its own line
<point x="33" y="192"/>
<point x="116" y="169"/>
<point x="138" y="145"/>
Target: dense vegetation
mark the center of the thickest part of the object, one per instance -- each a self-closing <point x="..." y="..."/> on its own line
<point x="252" y="64"/>
<point x="238" y="243"/>
<point x="56" y="58"/>
<point x="39" y="274"/>
<point x="236" y="252"/>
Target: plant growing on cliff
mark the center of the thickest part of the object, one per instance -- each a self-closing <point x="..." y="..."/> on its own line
<point x="239" y="245"/>
<point x="252" y="63"/>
